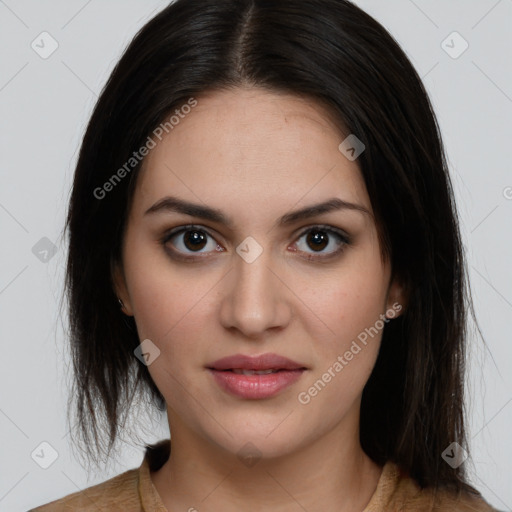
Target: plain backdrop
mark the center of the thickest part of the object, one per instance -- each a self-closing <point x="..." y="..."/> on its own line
<point x="44" y="105"/>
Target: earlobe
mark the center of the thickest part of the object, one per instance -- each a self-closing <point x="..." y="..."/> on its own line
<point x="120" y="289"/>
<point x="396" y="300"/>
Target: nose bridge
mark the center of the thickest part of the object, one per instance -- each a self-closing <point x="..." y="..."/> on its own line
<point x="253" y="303"/>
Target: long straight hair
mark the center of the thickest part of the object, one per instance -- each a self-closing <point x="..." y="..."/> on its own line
<point x="332" y="53"/>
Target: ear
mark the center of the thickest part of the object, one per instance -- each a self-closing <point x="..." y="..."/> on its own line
<point x="120" y="288"/>
<point x="396" y="299"/>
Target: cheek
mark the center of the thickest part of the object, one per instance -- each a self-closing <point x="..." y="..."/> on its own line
<point x="344" y="359"/>
<point x="169" y="310"/>
<point x="158" y="293"/>
<point x="346" y="302"/>
<point x="170" y="304"/>
<point x="349" y="306"/>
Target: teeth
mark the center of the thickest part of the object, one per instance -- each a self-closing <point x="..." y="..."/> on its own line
<point x="252" y="372"/>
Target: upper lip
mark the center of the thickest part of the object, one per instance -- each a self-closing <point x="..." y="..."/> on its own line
<point x="262" y="362"/>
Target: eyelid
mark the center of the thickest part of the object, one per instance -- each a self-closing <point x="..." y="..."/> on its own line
<point x="183" y="228"/>
<point x="178" y="229"/>
<point x="326" y="227"/>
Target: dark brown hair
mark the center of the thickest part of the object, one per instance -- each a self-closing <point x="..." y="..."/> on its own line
<point x="333" y="53"/>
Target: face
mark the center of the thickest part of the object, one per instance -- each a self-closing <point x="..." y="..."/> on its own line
<point x="253" y="279"/>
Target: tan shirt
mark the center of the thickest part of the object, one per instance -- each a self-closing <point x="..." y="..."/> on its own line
<point x="133" y="491"/>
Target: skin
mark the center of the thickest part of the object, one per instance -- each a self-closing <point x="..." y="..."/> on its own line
<point x="256" y="156"/>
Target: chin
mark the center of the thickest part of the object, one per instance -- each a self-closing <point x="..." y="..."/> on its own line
<point x="264" y="439"/>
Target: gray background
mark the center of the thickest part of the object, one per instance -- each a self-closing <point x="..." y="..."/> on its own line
<point x="44" y="105"/>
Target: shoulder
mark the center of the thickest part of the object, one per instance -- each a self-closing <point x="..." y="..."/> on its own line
<point x="131" y="491"/>
<point x="404" y="494"/>
<point x="446" y="501"/>
<point x="119" y="494"/>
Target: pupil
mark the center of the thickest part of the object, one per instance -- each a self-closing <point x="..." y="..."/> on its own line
<point x="319" y="239"/>
<point x="195" y="239"/>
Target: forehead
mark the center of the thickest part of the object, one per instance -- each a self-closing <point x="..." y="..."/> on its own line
<point x="251" y="148"/>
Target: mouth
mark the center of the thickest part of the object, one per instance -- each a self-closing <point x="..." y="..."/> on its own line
<point x="257" y="377"/>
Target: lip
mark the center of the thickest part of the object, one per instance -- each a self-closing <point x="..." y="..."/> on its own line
<point x="255" y="387"/>
<point x="266" y="361"/>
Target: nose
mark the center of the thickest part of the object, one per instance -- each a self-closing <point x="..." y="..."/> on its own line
<point x="254" y="300"/>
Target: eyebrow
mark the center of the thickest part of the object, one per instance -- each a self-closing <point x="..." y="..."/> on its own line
<point x="174" y="204"/>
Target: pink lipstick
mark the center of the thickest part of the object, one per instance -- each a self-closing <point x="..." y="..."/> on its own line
<point x="255" y="377"/>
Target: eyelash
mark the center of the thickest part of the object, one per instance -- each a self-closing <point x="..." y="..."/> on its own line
<point x="330" y="230"/>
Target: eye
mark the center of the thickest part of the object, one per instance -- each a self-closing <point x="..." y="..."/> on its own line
<point x="320" y="238"/>
<point x="192" y="240"/>
<point x="189" y="242"/>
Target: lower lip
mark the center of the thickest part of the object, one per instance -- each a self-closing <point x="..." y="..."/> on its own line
<point x="255" y="387"/>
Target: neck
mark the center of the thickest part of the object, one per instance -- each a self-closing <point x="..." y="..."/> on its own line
<point x="330" y="473"/>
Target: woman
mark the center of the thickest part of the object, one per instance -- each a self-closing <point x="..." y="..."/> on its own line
<point x="263" y="239"/>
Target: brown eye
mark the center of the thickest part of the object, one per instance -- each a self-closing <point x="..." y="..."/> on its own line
<point x="194" y="240"/>
<point x="317" y="239"/>
<point x="190" y="240"/>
